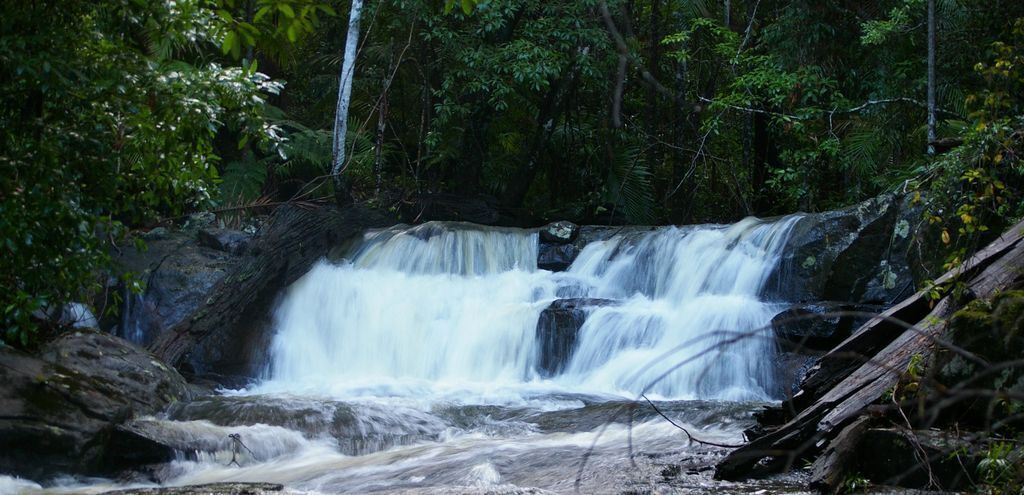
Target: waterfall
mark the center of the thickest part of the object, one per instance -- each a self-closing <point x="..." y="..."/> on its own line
<point x="457" y="305"/>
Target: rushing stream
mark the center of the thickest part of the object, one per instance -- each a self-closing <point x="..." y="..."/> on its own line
<point x="414" y="365"/>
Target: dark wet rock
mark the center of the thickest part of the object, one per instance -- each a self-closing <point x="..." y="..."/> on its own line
<point x="229" y="241"/>
<point x="556" y="257"/>
<point x="207" y="489"/>
<point x="57" y="410"/>
<point x="156" y="234"/>
<point x="557" y="330"/>
<point x="227" y="337"/>
<point x="595" y="233"/>
<point x="793" y="368"/>
<point x="177" y="274"/>
<point x="142" y="445"/>
<point x="359" y="428"/>
<point x="134" y="445"/>
<point x="857" y="254"/>
<point x="892" y="457"/>
<point x="561" y="232"/>
<point x="821" y="325"/>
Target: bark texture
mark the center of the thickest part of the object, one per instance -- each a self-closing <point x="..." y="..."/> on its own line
<point x="859" y="370"/>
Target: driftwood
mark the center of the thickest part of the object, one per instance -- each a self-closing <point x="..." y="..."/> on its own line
<point x="827" y="471"/>
<point x="221" y="337"/>
<point x="859" y="370"/>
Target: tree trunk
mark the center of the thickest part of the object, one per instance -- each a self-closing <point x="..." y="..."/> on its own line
<point x="931" y="77"/>
<point x="654" y="62"/>
<point x="348" y="68"/>
<point x="382" y="118"/>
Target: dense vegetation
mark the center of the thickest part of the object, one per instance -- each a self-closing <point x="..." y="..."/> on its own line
<point x="120" y="114"/>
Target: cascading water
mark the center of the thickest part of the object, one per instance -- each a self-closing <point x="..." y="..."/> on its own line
<point x="417" y="366"/>
<point x="450" y="305"/>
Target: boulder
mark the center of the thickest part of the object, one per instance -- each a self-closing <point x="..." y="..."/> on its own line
<point x="557" y="329"/>
<point x="177" y="273"/>
<point x="227" y="240"/>
<point x="561" y="232"/>
<point x="556" y="257"/>
<point x="57" y="410"/>
<point x="857" y="254"/>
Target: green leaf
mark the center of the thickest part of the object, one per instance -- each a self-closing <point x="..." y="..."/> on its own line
<point x="286" y="10"/>
<point x="230" y="41"/>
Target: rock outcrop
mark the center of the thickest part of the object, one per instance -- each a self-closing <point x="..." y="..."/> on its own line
<point x="225" y="338"/>
<point x="558" y="328"/>
<point x="57" y="410"/>
<point x="857" y="254"/>
<point x="177" y="273"/>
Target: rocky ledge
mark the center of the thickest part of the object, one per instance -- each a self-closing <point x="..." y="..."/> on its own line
<point x="58" y="409"/>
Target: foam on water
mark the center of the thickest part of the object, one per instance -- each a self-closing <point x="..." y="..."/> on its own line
<point x="454" y="307"/>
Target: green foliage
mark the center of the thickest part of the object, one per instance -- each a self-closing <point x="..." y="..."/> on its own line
<point x="1001" y="470"/>
<point x="876" y="31"/>
<point x="101" y="128"/>
<point x="272" y="26"/>
<point x="977" y="186"/>
<point x="855" y="484"/>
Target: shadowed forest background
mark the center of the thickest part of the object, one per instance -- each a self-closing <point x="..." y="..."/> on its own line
<point x="122" y="114"/>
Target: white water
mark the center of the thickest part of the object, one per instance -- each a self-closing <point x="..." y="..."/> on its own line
<point x="410" y="368"/>
<point x="443" y="307"/>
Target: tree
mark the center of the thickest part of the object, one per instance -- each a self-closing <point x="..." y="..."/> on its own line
<point x="931" y="77"/>
<point x="109" y="116"/>
<point x="348" y="67"/>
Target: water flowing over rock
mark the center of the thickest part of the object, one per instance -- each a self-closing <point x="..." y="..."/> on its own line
<point x="460" y="304"/>
<point x="225" y="339"/>
<point x="56" y="410"/>
<point x="208" y="489"/>
<point x="557" y="330"/>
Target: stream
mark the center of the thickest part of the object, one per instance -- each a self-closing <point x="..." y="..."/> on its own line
<point x="416" y="365"/>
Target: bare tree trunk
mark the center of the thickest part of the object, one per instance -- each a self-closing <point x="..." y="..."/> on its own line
<point x="348" y="68"/>
<point x="931" y="77"/>
<point x="382" y="117"/>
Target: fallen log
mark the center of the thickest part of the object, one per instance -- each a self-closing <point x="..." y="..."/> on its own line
<point x="827" y="472"/>
<point x="835" y="406"/>
<point x="878" y="332"/>
<point x="223" y="338"/>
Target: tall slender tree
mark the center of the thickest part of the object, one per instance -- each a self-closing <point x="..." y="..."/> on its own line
<point x="348" y="68"/>
<point x="931" y="77"/>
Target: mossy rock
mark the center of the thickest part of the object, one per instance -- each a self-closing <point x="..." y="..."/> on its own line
<point x="57" y="409"/>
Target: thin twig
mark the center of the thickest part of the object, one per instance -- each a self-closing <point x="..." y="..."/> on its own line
<point x="689" y="436"/>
